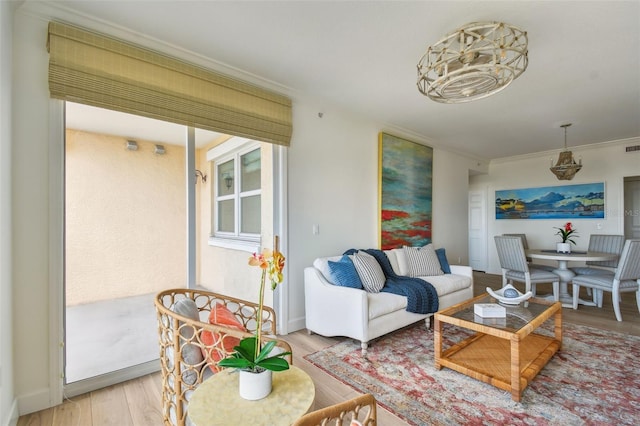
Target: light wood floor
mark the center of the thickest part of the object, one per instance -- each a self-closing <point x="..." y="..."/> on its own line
<point x="137" y="402"/>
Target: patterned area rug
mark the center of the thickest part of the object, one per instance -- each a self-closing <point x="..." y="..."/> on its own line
<point x="593" y="380"/>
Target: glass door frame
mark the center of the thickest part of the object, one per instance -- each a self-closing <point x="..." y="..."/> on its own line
<point x="58" y="387"/>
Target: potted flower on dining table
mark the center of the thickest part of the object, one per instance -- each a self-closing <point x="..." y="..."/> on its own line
<point x="567" y="234"/>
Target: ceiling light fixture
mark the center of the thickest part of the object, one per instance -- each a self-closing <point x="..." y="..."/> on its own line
<point x="473" y="62"/>
<point x="566" y="167"/>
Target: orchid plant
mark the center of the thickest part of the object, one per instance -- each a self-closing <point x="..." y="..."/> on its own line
<point x="250" y="355"/>
<point x="566" y="233"/>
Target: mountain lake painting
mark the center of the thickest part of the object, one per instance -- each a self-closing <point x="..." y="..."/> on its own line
<point x="581" y="201"/>
<point x="405" y="192"/>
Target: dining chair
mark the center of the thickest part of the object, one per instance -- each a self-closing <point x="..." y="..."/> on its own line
<point x="516" y="268"/>
<point x="525" y="244"/>
<point x="361" y="409"/>
<point x="625" y="280"/>
<point x="602" y="243"/>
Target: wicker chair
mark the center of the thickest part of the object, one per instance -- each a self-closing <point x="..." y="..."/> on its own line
<point x="361" y="408"/>
<point x="181" y="336"/>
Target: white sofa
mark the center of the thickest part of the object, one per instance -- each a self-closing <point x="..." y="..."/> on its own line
<point x="333" y="310"/>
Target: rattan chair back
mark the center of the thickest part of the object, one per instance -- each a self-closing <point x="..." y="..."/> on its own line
<point x="361" y="408"/>
<point x="178" y="334"/>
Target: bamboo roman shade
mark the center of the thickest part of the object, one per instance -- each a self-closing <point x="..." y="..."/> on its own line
<point x="94" y="69"/>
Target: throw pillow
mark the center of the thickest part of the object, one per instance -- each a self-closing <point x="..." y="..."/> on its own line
<point x="369" y="271"/>
<point x="442" y="258"/>
<point x="423" y="261"/>
<point x="218" y="346"/>
<point x="191" y="353"/>
<point x="343" y="273"/>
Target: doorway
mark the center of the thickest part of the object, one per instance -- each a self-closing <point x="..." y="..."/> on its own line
<point x="127" y="218"/>
<point x="632" y="207"/>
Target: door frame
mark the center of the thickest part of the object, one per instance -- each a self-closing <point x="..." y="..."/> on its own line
<point x="57" y="388"/>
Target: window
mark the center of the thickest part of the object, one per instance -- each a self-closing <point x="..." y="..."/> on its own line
<point x="237" y="195"/>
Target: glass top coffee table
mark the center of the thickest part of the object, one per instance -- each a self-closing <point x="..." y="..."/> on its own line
<point x="504" y="352"/>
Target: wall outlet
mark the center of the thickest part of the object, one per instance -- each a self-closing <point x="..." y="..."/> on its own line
<point x="315" y="229"/>
<point x="459" y="260"/>
<point x="598" y="226"/>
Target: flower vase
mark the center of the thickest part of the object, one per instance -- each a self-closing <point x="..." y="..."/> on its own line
<point x="563" y="248"/>
<point x="254" y="386"/>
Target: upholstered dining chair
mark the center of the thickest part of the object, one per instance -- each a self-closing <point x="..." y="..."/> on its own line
<point x="625" y="280"/>
<point x="361" y="409"/>
<point x="515" y="267"/>
<point x="525" y="244"/>
<point x="602" y="243"/>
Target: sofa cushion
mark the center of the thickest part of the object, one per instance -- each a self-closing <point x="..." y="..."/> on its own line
<point x="322" y="265"/>
<point x="442" y="258"/>
<point x="369" y="271"/>
<point x="422" y="261"/>
<point x="398" y="261"/>
<point x="449" y="283"/>
<point x="385" y="303"/>
<point x="343" y="273"/>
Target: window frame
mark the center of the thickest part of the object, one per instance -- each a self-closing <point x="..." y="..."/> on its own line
<point x="233" y="149"/>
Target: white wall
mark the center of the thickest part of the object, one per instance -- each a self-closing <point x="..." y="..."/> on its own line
<point x="8" y="410"/>
<point x="332" y="172"/>
<point x="607" y="162"/>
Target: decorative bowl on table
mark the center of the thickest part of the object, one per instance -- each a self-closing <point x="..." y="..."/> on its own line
<point x="509" y="295"/>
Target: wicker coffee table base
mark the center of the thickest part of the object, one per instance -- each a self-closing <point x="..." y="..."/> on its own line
<point x="506" y="359"/>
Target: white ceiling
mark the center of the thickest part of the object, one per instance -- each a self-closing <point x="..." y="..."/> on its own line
<point x="584" y="61"/>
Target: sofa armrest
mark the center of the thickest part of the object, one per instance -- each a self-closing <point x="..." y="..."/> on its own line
<point x="467" y="271"/>
<point x="333" y="310"/>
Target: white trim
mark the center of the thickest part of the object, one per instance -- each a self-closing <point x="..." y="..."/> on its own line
<point x="190" y="182"/>
<point x="85" y="386"/>
<point x="280" y="220"/>
<point x="233" y="144"/>
<point x="230" y="243"/>
<point x="56" y="251"/>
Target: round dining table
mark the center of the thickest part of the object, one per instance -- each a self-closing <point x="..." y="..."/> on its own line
<point x="563" y="271"/>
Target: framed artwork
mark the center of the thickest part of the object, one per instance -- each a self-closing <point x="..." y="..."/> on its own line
<point x="581" y="201"/>
<point x="405" y="192"/>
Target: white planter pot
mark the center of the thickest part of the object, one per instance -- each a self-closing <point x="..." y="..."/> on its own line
<point x="563" y="248"/>
<point x="254" y="386"/>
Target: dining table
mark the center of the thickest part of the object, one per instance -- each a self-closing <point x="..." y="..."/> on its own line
<point x="563" y="271"/>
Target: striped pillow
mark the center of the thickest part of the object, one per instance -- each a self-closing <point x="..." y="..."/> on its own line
<point x="369" y="271"/>
<point x="423" y="261"/>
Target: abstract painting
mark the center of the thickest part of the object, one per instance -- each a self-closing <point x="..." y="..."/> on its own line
<point x="581" y="201"/>
<point x="405" y="184"/>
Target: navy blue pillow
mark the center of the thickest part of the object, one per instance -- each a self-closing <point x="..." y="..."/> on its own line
<point x="343" y="273"/>
<point x="444" y="263"/>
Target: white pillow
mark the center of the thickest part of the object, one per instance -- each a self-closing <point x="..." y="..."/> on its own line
<point x="423" y="262"/>
<point x="369" y="271"/>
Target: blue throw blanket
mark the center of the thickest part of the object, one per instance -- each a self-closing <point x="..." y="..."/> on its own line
<point x="422" y="297"/>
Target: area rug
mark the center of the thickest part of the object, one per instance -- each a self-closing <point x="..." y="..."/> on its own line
<point x="593" y="380"/>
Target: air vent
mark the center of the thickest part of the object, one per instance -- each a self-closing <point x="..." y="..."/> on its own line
<point x="633" y="148"/>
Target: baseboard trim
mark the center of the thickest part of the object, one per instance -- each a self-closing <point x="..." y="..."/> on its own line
<point x="84" y="386"/>
<point x="33" y="402"/>
<point x="12" y="418"/>
<point x="297" y="324"/>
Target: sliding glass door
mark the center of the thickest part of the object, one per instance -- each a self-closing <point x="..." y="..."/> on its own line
<point x="129" y="232"/>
